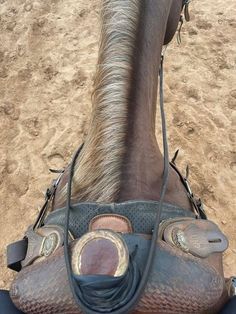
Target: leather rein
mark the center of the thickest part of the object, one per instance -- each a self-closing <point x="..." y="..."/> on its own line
<point x="130" y="304"/>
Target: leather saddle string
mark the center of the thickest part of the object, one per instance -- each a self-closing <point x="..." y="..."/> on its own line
<point x="152" y="251"/>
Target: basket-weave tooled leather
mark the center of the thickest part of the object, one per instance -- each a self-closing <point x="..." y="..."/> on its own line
<point x="179" y="284"/>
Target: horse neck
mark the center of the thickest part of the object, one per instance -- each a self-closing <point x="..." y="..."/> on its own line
<point x="121" y="159"/>
<point x="143" y="162"/>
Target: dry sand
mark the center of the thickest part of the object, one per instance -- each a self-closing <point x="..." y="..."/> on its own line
<point x="48" y="52"/>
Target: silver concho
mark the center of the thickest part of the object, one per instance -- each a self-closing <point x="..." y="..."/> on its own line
<point x="50" y="243"/>
<point x="179" y="239"/>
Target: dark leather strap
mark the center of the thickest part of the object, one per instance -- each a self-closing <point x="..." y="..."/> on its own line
<point x="6" y="304"/>
<point x="128" y="302"/>
<point x="229" y="307"/>
<point x="16" y="253"/>
<point x="196" y="203"/>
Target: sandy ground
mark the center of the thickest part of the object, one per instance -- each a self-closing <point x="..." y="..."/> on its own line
<point x="48" y="53"/>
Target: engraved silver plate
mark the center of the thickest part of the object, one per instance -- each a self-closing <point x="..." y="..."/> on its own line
<point x="50" y="243"/>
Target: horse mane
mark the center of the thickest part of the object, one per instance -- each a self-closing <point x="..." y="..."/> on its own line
<point x="98" y="169"/>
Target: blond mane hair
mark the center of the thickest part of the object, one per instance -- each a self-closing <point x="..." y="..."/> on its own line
<point x="97" y="175"/>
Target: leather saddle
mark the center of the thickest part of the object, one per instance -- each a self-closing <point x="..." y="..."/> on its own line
<point x="108" y="247"/>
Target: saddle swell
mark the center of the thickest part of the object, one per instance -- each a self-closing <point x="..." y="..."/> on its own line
<point x="181" y="281"/>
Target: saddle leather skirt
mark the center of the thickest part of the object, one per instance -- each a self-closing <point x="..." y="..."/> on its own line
<point x="109" y="245"/>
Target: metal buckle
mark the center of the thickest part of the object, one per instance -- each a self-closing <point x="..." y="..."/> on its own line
<point x="186" y="10"/>
<point x="201" y="209"/>
<point x="188" y="187"/>
<point x="231" y="286"/>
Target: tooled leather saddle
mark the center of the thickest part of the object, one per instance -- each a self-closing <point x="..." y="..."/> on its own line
<point x="108" y="249"/>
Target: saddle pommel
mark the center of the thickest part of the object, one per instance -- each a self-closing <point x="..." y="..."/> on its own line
<point x="100" y="252"/>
